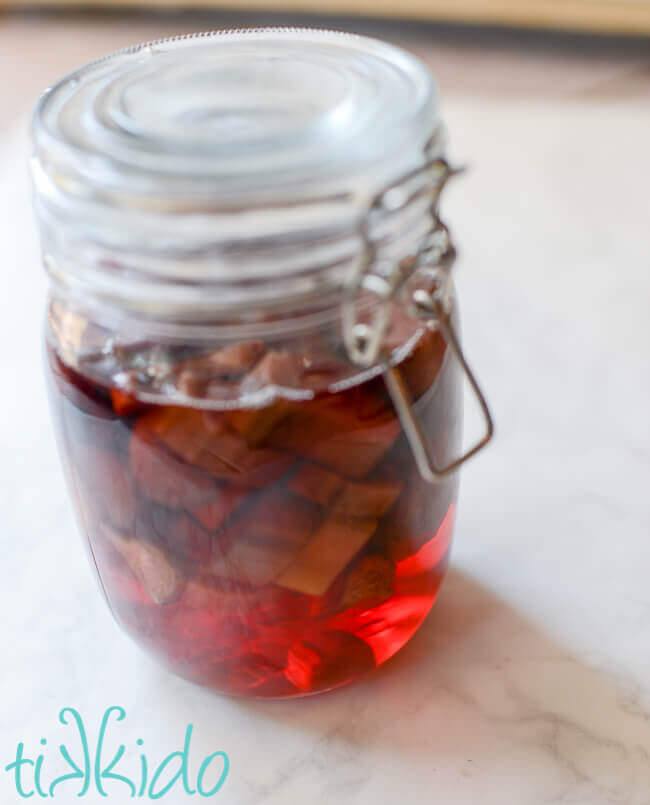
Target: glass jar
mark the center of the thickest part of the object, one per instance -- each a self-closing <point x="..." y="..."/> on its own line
<point x="250" y="343"/>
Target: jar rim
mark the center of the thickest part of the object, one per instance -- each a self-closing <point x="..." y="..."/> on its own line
<point x="229" y="159"/>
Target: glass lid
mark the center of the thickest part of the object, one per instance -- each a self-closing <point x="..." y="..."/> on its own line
<point x="238" y="115"/>
<point x="193" y="175"/>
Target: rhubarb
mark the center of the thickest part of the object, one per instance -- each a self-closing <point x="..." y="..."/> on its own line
<point x="150" y="565"/>
<point x="317" y="565"/>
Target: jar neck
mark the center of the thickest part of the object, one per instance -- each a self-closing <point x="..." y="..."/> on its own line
<point x="250" y="283"/>
<point x="404" y="248"/>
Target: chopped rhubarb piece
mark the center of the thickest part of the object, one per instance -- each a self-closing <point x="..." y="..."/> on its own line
<point x="369" y="583"/>
<point x="326" y="660"/>
<point x="332" y="433"/>
<point x="261" y="542"/>
<point x="367" y="499"/>
<point x="255" y="424"/>
<point x="206" y="592"/>
<point x="219" y="452"/>
<point x="214" y="422"/>
<point x="318" y="564"/>
<point x="336" y="432"/>
<point x="196" y="541"/>
<point x="226" y="365"/>
<point x="239" y="357"/>
<point x="182" y="430"/>
<point x="164" y="478"/>
<point x="211" y="515"/>
<point x="228" y="457"/>
<point x="415" y="518"/>
<point x="277" y="368"/>
<point x="315" y="483"/>
<point x="254" y="563"/>
<point x="278" y="517"/>
<point x="354" y="455"/>
<point x="125" y="404"/>
<point x="107" y="484"/>
<point x="153" y="523"/>
<point x="150" y="565"/>
<point x="185" y="537"/>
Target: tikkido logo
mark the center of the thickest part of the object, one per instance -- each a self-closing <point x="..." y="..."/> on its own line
<point x="96" y="770"/>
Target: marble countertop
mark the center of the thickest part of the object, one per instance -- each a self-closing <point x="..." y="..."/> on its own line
<point x="530" y="681"/>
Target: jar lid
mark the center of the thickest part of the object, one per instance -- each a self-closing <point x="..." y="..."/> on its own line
<point x="198" y="146"/>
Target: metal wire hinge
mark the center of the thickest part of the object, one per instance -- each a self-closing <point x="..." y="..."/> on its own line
<point x="435" y="256"/>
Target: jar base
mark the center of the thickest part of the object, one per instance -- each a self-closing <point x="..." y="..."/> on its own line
<point x="317" y="657"/>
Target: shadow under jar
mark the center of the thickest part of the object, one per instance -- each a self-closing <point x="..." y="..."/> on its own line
<point x="249" y="298"/>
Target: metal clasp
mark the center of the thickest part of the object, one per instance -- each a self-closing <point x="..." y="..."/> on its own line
<point x="436" y="256"/>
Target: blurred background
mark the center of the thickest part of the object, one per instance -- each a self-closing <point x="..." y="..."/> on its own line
<point x="609" y="16"/>
<point x="521" y="46"/>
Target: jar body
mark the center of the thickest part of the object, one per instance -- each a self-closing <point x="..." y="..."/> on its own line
<point x="267" y="550"/>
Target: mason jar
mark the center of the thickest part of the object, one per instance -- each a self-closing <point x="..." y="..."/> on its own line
<point x="252" y="359"/>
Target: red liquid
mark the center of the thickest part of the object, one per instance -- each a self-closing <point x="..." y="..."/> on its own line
<point x="275" y="552"/>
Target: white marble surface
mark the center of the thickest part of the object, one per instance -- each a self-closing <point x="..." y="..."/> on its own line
<point x="530" y="682"/>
